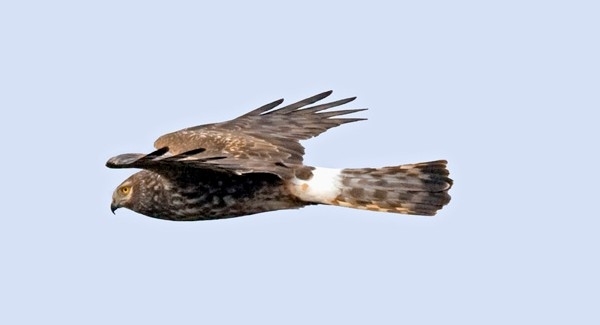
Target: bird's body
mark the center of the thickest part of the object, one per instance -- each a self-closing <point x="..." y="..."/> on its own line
<point x="199" y="195"/>
<point x="253" y="164"/>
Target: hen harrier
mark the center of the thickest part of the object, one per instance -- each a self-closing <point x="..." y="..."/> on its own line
<point x="253" y="164"/>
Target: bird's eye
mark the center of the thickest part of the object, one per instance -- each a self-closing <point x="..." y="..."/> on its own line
<point x="125" y="190"/>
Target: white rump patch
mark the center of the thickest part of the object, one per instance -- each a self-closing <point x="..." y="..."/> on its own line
<point x="324" y="186"/>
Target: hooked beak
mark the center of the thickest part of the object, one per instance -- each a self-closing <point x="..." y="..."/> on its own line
<point x="113" y="207"/>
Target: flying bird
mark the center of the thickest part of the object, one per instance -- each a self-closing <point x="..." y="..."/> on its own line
<point x="254" y="163"/>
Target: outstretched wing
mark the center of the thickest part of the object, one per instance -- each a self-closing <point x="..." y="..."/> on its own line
<point x="162" y="162"/>
<point x="263" y="140"/>
<point x="295" y="121"/>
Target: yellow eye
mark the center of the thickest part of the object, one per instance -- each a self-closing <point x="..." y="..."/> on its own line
<point x="125" y="190"/>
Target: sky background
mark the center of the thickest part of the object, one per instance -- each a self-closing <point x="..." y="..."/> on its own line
<point x="506" y="91"/>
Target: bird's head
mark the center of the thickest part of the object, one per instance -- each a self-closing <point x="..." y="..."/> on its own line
<point x="134" y="194"/>
<point x="123" y="195"/>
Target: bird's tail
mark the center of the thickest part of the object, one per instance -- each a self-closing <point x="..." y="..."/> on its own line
<point x="420" y="189"/>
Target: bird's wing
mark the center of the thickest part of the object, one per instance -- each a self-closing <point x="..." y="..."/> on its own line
<point x="263" y="140"/>
<point x="295" y="121"/>
<point x="160" y="160"/>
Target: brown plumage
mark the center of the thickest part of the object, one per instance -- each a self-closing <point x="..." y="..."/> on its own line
<point x="253" y="164"/>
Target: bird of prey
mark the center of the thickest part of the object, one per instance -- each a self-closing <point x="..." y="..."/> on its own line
<point x="253" y="164"/>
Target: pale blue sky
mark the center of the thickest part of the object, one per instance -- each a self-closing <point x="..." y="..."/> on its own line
<point x="506" y="91"/>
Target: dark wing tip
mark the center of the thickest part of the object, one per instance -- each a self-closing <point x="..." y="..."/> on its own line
<point x="191" y="152"/>
<point x="124" y="160"/>
<point x="341" y="112"/>
<point x="129" y="160"/>
<point x="158" y="152"/>
<point x="299" y="104"/>
<point x="265" y="108"/>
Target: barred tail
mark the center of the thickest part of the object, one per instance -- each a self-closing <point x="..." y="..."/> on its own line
<point x="420" y="189"/>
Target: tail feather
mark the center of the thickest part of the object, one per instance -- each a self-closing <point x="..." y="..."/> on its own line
<point x="420" y="189"/>
<point x="412" y="189"/>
